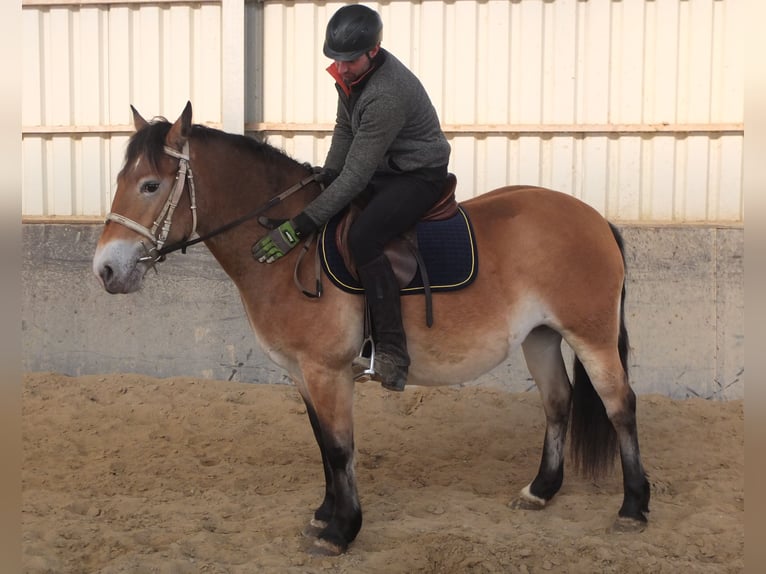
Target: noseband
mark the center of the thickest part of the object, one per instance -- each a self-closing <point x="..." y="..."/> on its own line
<point x="165" y="217"/>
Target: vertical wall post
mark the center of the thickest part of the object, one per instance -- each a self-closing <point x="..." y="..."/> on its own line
<point x="233" y="66"/>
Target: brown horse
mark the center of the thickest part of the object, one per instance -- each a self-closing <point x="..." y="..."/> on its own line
<point x="550" y="267"/>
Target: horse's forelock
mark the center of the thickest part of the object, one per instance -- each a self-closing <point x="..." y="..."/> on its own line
<point x="148" y="142"/>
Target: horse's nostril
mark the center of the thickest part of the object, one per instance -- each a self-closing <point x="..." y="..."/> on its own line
<point x="106" y="274"/>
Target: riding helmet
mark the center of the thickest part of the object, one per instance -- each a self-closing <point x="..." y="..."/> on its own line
<point x="352" y="31"/>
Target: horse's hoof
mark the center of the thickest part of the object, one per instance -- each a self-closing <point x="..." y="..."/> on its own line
<point x="323" y="547"/>
<point x="627" y="525"/>
<point x="313" y="528"/>
<point x="524" y="504"/>
<point x="527" y="501"/>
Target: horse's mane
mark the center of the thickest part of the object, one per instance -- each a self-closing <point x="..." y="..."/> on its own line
<point x="150" y="142"/>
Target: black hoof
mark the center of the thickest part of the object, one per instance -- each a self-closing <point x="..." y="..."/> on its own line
<point x="524" y="504"/>
<point x="625" y="525"/>
<point x="323" y="547"/>
<point x="330" y="542"/>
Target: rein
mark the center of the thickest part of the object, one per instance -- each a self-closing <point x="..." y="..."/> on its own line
<point x="182" y="245"/>
<point x="159" y="250"/>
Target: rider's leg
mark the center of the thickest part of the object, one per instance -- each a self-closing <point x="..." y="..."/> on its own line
<point x="395" y="206"/>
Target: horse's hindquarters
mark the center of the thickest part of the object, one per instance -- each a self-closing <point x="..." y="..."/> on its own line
<point x="544" y="258"/>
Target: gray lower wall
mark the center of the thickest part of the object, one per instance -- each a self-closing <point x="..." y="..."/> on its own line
<point x="684" y="312"/>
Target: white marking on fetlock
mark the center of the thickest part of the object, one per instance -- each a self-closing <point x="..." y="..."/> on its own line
<point x="527" y="495"/>
<point x="318" y="523"/>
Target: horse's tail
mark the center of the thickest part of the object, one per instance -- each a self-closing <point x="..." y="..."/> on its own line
<point x="593" y="438"/>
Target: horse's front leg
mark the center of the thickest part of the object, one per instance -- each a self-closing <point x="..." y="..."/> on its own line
<point x="330" y="408"/>
<point x="323" y="513"/>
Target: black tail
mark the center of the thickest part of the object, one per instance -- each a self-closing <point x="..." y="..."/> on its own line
<point x="593" y="438"/>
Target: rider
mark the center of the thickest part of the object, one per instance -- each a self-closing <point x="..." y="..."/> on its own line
<point x="388" y="143"/>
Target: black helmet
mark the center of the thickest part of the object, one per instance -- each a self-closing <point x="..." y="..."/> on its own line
<point x="352" y="31"/>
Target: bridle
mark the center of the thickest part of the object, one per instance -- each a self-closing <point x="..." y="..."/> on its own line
<point x="159" y="250"/>
<point x="165" y="217"/>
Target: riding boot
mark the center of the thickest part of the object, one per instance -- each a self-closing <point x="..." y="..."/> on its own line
<point x="383" y="298"/>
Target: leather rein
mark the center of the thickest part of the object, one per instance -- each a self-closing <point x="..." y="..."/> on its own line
<point x="160" y="229"/>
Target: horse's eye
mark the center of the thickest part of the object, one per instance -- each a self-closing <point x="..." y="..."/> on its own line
<point x="150" y="187"/>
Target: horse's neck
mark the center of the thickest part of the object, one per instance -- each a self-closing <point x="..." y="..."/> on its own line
<point x="232" y="183"/>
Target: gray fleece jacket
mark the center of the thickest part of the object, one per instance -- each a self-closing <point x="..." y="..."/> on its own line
<point x="385" y="123"/>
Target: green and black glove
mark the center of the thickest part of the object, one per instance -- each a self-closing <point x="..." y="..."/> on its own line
<point x="276" y="243"/>
<point x="284" y="235"/>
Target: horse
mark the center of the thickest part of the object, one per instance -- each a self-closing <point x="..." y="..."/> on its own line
<point x="551" y="268"/>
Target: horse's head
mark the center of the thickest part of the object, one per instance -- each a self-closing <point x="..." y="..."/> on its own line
<point x="151" y="184"/>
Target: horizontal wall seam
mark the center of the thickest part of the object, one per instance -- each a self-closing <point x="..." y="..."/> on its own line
<point x="467" y="129"/>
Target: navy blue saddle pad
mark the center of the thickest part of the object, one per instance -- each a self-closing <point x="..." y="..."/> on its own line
<point x="448" y="249"/>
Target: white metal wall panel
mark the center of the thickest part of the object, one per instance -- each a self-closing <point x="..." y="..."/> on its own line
<point x="635" y="106"/>
<point x="84" y="65"/>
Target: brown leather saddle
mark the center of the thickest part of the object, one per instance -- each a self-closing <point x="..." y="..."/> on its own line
<point x="403" y="250"/>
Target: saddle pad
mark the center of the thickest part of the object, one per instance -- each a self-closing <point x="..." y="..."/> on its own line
<point x="448" y="249"/>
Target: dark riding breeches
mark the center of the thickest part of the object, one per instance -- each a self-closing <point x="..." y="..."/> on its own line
<point x="395" y="204"/>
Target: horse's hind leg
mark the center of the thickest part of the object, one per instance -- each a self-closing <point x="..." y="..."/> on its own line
<point x="612" y="409"/>
<point x="542" y="351"/>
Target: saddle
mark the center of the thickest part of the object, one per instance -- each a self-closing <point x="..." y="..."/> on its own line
<point x="402" y="251"/>
<point x="437" y="254"/>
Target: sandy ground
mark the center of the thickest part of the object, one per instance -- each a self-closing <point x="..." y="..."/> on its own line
<point x="130" y="474"/>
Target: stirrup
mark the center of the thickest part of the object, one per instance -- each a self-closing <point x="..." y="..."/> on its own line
<point x="363" y="366"/>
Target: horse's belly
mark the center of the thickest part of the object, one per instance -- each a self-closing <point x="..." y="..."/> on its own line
<point x="439" y="362"/>
<point x="437" y="375"/>
<point x="471" y="335"/>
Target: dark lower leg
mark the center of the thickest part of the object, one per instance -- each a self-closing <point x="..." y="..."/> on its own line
<point x="383" y="298"/>
<point x="636" y="486"/>
<point x="324" y="512"/>
<point x="551" y="472"/>
<point x="346" y="520"/>
<point x="542" y="351"/>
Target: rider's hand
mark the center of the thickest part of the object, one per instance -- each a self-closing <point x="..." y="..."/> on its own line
<point x="324" y="175"/>
<point x="276" y="243"/>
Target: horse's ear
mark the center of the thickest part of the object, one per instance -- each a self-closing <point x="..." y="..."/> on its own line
<point x="138" y="121"/>
<point x="181" y="129"/>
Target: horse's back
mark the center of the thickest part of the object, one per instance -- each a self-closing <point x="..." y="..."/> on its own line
<point x="550" y="245"/>
<point x="515" y="200"/>
<point x="536" y="221"/>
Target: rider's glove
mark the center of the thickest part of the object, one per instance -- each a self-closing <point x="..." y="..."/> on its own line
<point x="276" y="243"/>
